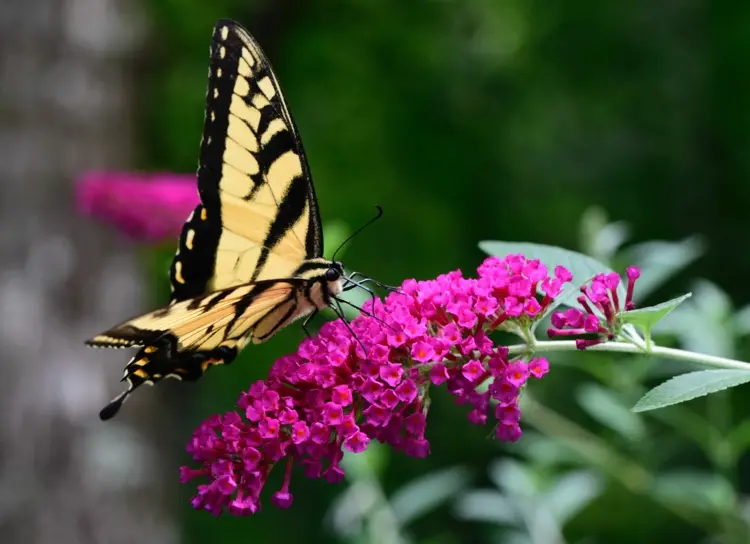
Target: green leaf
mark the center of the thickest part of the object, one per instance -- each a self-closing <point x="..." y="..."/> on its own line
<point x="547" y="451"/>
<point x="599" y="238"/>
<point x="689" y="424"/>
<point x="488" y="506"/>
<point x="704" y="324"/>
<point x="424" y="494"/>
<point x="581" y="266"/>
<point x="712" y="301"/>
<point x="514" y="477"/>
<point x="739" y="437"/>
<point x="660" y="260"/>
<point x="646" y="318"/>
<point x="701" y="490"/>
<point x="571" y="493"/>
<point x="742" y="320"/>
<point x="689" y="386"/>
<point x="604" y="406"/>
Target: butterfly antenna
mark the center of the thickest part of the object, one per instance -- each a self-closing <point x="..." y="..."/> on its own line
<point x="111" y="409"/>
<point x="360" y="229"/>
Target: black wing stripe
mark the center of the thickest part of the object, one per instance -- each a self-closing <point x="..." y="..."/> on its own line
<point x="280" y="322"/>
<point x="311" y="265"/>
<point x="244" y="303"/>
<point x="290" y="210"/>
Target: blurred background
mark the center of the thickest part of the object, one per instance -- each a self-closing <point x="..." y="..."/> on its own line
<point x="617" y="129"/>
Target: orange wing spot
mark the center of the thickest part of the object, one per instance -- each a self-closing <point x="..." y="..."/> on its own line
<point x="141" y="362"/>
<point x="204" y="215"/>
<point x="150" y="349"/>
<point x="141" y="373"/>
<point x="181" y="370"/>
<point x="210" y="362"/>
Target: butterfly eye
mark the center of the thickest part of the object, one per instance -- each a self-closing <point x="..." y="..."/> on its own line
<point x="332" y="274"/>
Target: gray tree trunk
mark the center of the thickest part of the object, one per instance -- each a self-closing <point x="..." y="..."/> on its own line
<point x="65" y="107"/>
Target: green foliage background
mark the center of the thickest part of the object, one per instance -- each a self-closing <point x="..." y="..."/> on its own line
<point x="470" y="120"/>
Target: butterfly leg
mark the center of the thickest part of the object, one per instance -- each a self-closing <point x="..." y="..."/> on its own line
<point x="361" y="285"/>
<point x="368" y="314"/>
<point x="307" y="319"/>
<point x="340" y="312"/>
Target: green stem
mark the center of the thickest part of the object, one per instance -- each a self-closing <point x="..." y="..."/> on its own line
<point x="624" y="347"/>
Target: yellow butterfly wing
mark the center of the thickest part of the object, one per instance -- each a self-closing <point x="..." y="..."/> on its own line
<point x="258" y="218"/>
<point x="187" y="337"/>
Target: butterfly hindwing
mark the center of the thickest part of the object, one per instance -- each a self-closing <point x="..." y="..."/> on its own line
<point x="204" y="322"/>
<point x="185" y="338"/>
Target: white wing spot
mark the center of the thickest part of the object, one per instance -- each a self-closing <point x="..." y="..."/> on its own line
<point x="216" y="93"/>
<point x="178" y="272"/>
<point x="222" y="52"/>
<point x="224" y="32"/>
<point x="218" y="72"/>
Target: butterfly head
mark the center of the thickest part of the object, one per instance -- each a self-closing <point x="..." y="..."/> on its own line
<point x="334" y="277"/>
<point x="335" y="272"/>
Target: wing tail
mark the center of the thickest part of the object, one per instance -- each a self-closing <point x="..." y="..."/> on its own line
<point x="154" y="363"/>
<point x="111" y="409"/>
<point x="186" y="338"/>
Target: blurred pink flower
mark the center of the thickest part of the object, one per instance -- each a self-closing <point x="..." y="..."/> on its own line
<point x="147" y="207"/>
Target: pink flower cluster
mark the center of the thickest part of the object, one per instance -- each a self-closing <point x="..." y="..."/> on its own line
<point x="340" y="391"/>
<point x="603" y="296"/>
<point x="145" y="207"/>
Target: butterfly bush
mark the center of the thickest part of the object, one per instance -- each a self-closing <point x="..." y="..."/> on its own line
<point x="602" y="295"/>
<point x="340" y="390"/>
<point x="145" y="207"/>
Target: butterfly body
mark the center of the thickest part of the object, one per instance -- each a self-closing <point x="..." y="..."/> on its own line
<point x="250" y="256"/>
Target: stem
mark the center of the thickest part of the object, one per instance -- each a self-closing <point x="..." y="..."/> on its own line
<point x="624" y="347"/>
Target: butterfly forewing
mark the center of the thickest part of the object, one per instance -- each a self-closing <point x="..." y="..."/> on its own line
<point x="258" y="217"/>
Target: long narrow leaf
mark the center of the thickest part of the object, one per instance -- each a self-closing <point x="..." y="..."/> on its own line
<point x="689" y="386"/>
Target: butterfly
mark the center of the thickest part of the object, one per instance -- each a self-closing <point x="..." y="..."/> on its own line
<point x="250" y="256"/>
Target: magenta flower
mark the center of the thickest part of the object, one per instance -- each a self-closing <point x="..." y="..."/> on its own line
<point x="602" y="294"/>
<point x="338" y="392"/>
<point x="145" y="207"/>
